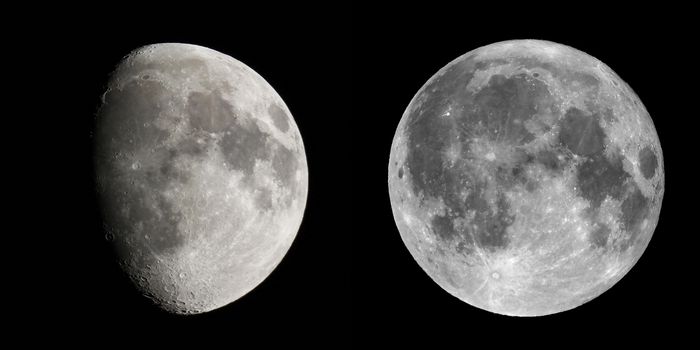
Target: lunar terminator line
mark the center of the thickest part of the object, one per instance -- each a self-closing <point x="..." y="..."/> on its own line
<point x="201" y="175"/>
<point x="526" y="178"/>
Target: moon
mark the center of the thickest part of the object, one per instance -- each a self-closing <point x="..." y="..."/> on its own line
<point x="526" y="178"/>
<point x="201" y="175"/>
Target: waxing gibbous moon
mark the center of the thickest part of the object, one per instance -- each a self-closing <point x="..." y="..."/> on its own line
<point x="201" y="175"/>
<point x="526" y="178"/>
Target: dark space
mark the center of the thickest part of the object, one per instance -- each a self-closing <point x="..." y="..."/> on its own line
<point x="346" y="72"/>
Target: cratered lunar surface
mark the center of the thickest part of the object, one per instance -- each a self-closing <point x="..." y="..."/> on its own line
<point x="201" y="175"/>
<point x="526" y="178"/>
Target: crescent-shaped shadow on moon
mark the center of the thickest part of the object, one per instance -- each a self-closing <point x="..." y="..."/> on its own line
<point x="201" y="175"/>
<point x="526" y="178"/>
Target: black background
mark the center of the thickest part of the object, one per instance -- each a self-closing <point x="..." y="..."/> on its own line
<point x="346" y="72"/>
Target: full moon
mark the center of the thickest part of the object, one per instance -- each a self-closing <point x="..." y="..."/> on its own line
<point x="201" y="175"/>
<point x="526" y="178"/>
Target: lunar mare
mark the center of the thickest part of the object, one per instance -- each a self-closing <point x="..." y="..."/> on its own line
<point x="526" y="178"/>
<point x="201" y="175"/>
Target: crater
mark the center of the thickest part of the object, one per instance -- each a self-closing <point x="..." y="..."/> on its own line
<point x="647" y="162"/>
